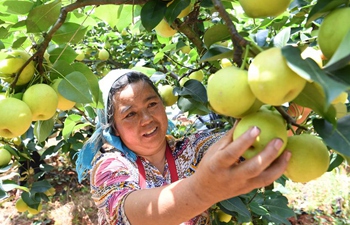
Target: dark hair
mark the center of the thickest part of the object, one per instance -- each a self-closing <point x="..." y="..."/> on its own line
<point x="119" y="84"/>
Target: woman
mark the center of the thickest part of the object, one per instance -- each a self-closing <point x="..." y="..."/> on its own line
<point x="139" y="175"/>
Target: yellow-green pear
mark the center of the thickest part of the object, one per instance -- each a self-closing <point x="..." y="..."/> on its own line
<point x="271" y="80"/>
<point x="309" y="160"/>
<point x="332" y="30"/>
<point x="271" y="125"/>
<point x="264" y="8"/>
<point x="42" y="101"/>
<point x="15" y="117"/>
<point x="229" y="93"/>
<point x="166" y="93"/>
<point x="5" y="157"/>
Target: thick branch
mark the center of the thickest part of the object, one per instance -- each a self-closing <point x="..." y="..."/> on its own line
<point x="237" y="40"/>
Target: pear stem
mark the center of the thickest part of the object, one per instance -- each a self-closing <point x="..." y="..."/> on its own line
<point x="245" y="57"/>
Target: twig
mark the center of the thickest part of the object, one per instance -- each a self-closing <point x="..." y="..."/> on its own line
<point x="288" y="118"/>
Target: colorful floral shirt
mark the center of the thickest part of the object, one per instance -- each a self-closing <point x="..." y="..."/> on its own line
<point x="113" y="176"/>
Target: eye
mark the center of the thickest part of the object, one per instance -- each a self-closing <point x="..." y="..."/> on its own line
<point x="152" y="104"/>
<point x="130" y="115"/>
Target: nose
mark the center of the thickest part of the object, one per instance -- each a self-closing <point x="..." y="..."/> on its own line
<point x="146" y="117"/>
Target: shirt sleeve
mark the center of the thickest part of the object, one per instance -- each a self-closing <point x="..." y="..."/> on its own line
<point x="113" y="177"/>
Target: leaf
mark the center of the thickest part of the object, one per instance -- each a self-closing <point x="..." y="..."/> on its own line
<point x="69" y="125"/>
<point x="62" y="52"/>
<point x="107" y="13"/>
<point x="152" y="13"/>
<point x="235" y="204"/>
<point x="322" y="7"/>
<point x="341" y="56"/>
<point x="277" y="206"/>
<point x="192" y="106"/>
<point x="41" y="18"/>
<point x="336" y="137"/>
<point x="341" y="74"/>
<point x="217" y="52"/>
<point x="69" y="33"/>
<point x="335" y="161"/>
<point x="8" y="185"/>
<point x="194" y="89"/>
<point x="313" y="98"/>
<point x="19" y="7"/>
<point x="43" y="129"/>
<point x="216" y="33"/>
<point x="75" y="85"/>
<point x="92" y="80"/>
<point x="175" y="8"/>
<point x="309" y="70"/>
<point x="282" y="38"/>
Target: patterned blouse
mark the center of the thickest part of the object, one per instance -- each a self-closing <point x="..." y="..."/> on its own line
<point x="113" y="176"/>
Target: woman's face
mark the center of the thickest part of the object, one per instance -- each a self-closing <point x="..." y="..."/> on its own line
<point x="140" y="118"/>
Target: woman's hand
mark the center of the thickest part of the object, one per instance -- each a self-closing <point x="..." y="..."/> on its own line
<point x="220" y="177"/>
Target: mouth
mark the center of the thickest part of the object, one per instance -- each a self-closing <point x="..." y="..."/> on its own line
<point x="150" y="133"/>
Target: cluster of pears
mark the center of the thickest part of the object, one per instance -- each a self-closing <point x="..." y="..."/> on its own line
<point x="251" y="94"/>
<point x="32" y="103"/>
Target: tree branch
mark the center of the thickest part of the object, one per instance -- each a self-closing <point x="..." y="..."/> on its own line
<point x="237" y="40"/>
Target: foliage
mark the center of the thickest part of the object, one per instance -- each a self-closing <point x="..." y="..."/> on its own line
<point x="54" y="32"/>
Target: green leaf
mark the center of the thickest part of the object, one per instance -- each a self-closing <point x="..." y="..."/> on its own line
<point x="91" y="78"/>
<point x="62" y="52"/>
<point x="336" y="160"/>
<point x="216" y="33"/>
<point x="19" y="42"/>
<point x="309" y="70"/>
<point x="19" y="7"/>
<point x="192" y="106"/>
<point x="217" y="52"/>
<point x="69" y="33"/>
<point x="341" y="57"/>
<point x="313" y="98"/>
<point x="193" y="89"/>
<point x="76" y="88"/>
<point x="336" y="137"/>
<point x="282" y="38"/>
<point x="235" y="204"/>
<point x="40" y="186"/>
<point x="152" y="13"/>
<point x="43" y="129"/>
<point x="41" y="18"/>
<point x="69" y="125"/>
<point x="175" y="8"/>
<point x="107" y="13"/>
<point x="278" y="209"/>
<point x="8" y="185"/>
<point x="322" y="7"/>
<point x="258" y="209"/>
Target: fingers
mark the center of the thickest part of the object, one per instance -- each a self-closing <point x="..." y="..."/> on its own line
<point x="265" y="164"/>
<point x="234" y="149"/>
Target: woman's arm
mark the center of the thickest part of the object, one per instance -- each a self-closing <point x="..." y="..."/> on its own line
<point x="218" y="177"/>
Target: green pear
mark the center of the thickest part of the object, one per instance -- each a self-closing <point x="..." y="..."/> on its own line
<point x="309" y="160"/>
<point x="271" y="125"/>
<point x="229" y="93"/>
<point x="15" y="117"/>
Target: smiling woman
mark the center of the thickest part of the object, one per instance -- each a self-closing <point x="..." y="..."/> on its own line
<point x="141" y="175"/>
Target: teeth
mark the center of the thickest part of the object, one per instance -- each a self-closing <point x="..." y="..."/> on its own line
<point x="150" y="131"/>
